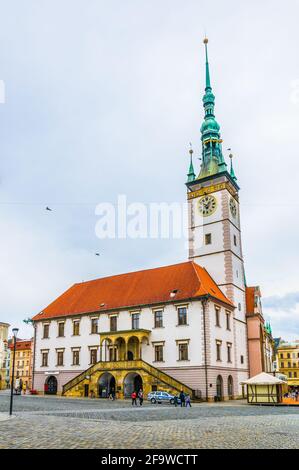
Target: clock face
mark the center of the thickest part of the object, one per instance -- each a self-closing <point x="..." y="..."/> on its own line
<point x="207" y="205"/>
<point x="233" y="207"/>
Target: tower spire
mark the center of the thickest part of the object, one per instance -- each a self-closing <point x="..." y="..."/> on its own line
<point x="191" y="175"/>
<point x="208" y="80"/>
<point x="232" y="173"/>
<point x="212" y="157"/>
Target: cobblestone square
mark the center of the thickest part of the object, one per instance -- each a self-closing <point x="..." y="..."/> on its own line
<point x="53" y="422"/>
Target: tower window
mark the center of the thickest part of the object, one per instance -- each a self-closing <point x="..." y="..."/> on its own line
<point x="235" y="240"/>
<point x="242" y="359"/>
<point x="208" y="238"/>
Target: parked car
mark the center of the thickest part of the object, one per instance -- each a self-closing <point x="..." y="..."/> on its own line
<point x="161" y="397"/>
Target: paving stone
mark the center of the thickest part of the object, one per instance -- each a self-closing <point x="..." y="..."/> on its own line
<point x="52" y="422"/>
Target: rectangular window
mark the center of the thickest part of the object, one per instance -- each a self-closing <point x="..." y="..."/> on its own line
<point x="61" y="329"/>
<point x="218" y="350"/>
<point x="235" y="240"/>
<point x="183" y="352"/>
<point x="93" y="356"/>
<point x="228" y="320"/>
<point x="60" y="358"/>
<point x="94" y="326"/>
<point x="295" y="375"/>
<point x="135" y="321"/>
<point x="113" y="323"/>
<point x="282" y="365"/>
<point x="229" y="352"/>
<point x="288" y="355"/>
<point x="76" y="357"/>
<point x="76" y="328"/>
<point x="281" y="356"/>
<point x="46" y="331"/>
<point x="242" y="359"/>
<point x="217" y="316"/>
<point x="45" y="359"/>
<point x="289" y="364"/>
<point x="159" y="353"/>
<point x="159" y="319"/>
<point x="182" y="315"/>
<point x="290" y="374"/>
<point x="208" y="239"/>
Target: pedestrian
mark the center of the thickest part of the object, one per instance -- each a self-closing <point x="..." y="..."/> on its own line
<point x="140" y="396"/>
<point x="134" y="396"/>
<point x="175" y="401"/>
<point x="20" y="387"/>
<point x="188" y="401"/>
<point x="182" y="398"/>
<point x="24" y="388"/>
<point x="297" y="395"/>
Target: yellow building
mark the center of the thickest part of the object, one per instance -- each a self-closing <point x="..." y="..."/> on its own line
<point x="288" y="361"/>
<point x="3" y="353"/>
<point x="23" y="362"/>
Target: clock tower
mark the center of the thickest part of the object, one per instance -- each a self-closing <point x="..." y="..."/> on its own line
<point x="214" y="219"/>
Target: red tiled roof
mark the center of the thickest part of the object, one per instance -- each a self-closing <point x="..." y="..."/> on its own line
<point x="20" y="345"/>
<point x="147" y="287"/>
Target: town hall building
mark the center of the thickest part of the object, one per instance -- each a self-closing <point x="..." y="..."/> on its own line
<point x="171" y="328"/>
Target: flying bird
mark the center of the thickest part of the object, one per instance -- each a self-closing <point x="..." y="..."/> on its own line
<point x="48" y="209"/>
<point x="97" y="254"/>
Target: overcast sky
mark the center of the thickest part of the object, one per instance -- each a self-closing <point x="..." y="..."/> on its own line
<point x="103" y="97"/>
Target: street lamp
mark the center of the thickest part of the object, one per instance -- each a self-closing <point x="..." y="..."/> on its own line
<point x="14" y="332"/>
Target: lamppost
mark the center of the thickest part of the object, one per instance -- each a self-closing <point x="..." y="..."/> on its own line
<point x="15" y="332"/>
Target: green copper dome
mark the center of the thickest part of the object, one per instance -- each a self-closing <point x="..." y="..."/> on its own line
<point x="210" y="124"/>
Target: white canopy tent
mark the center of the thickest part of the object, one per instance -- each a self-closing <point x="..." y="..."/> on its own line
<point x="265" y="389"/>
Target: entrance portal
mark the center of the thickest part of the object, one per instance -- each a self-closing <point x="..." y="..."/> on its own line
<point x="51" y="385"/>
<point x="106" y="385"/>
<point x="132" y="383"/>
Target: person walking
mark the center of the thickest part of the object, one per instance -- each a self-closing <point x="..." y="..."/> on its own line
<point x="140" y="396"/>
<point x="188" y="401"/>
<point x="175" y="400"/>
<point x="134" y="396"/>
<point x="182" y="398"/>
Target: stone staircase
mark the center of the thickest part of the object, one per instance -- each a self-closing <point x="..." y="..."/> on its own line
<point x="128" y="366"/>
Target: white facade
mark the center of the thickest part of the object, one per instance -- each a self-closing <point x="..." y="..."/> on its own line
<point x="191" y="371"/>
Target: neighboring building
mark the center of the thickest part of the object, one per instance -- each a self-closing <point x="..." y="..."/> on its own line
<point x="261" y="345"/>
<point x="3" y="353"/>
<point x="23" y="361"/>
<point x="288" y="360"/>
<point x="7" y="365"/>
<point x="175" y="327"/>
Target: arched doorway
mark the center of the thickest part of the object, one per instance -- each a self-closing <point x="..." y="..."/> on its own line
<point x="219" y="388"/>
<point x="132" y="382"/>
<point x="106" y="385"/>
<point x="130" y="356"/>
<point x="230" y="387"/>
<point x="51" y="385"/>
<point x="133" y="349"/>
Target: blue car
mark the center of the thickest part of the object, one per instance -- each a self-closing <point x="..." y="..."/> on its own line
<point x="161" y="397"/>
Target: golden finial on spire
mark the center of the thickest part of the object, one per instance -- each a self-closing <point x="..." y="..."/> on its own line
<point x="205" y="41"/>
<point x="191" y="149"/>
